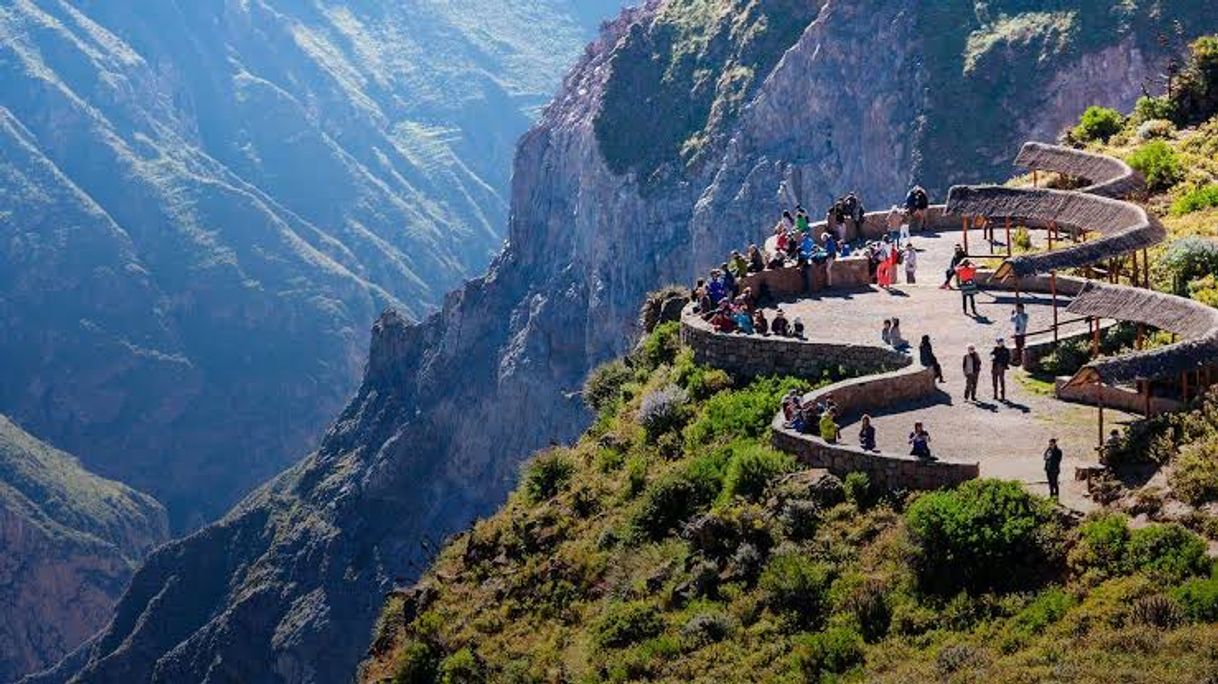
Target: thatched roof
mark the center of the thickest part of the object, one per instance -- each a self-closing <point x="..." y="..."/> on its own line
<point x="1195" y="323"/>
<point x="1109" y="176"/>
<point x="1123" y="227"/>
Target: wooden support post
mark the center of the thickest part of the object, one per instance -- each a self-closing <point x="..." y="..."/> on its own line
<point x="1052" y="230"/>
<point x="1099" y="400"/>
<point x="1035" y="179"/>
<point x="1146" y="269"/>
<point x="1053" y="289"/>
<point x="1140" y="340"/>
<point x="1095" y="339"/>
<point x="964" y="220"/>
<point x="1008" y="227"/>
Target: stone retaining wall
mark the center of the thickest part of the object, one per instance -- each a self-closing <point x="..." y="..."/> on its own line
<point x="1118" y="398"/>
<point x="750" y="356"/>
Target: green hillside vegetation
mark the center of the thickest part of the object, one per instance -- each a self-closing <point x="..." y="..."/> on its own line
<point x="671" y="543"/>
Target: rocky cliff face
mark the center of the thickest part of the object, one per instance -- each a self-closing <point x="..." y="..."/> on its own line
<point x="69" y="541"/>
<point x="449" y="407"/>
<point x="204" y="203"/>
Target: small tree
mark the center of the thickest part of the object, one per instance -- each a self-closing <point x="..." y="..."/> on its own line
<point x="1098" y="123"/>
<point x="1157" y="161"/>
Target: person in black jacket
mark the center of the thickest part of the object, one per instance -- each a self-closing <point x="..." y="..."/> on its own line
<point x="1053" y="467"/>
<point x="867" y="435"/>
<point x="1000" y="362"/>
<point x="926" y="354"/>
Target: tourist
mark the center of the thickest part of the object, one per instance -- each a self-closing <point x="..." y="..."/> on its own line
<point x="739" y="266"/>
<point x="1111" y="450"/>
<point x="1053" y="467"/>
<point x="854" y="212"/>
<point x="717" y="289"/>
<point x="958" y="256"/>
<point x="893" y="222"/>
<point x="807" y="248"/>
<point x="829" y="404"/>
<point x="972" y="373"/>
<point x="790" y="402"/>
<point x="743" y="321"/>
<point x="1000" y="362"/>
<point x="966" y="276"/>
<point x="760" y="324"/>
<point x="926" y="355"/>
<point x="756" y="261"/>
<point x="835" y="220"/>
<point x="867" y="435"/>
<point x="886" y="332"/>
<point x="793" y="244"/>
<point x="917" y="204"/>
<point x="895" y="338"/>
<point x="911" y="263"/>
<point x="729" y="279"/>
<point x="778" y="326"/>
<point x="829" y="429"/>
<point x="830" y="243"/>
<point x="919" y="442"/>
<point x="797" y="328"/>
<point x="787" y="224"/>
<point x="1019" y="321"/>
<point x="704" y="306"/>
<point x="798" y="421"/>
<point x="803" y="223"/>
<point x="723" y="321"/>
<point x="887" y="272"/>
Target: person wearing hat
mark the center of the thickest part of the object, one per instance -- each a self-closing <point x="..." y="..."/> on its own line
<point x="778" y="326"/>
<point x="1000" y="361"/>
<point x="972" y="373"/>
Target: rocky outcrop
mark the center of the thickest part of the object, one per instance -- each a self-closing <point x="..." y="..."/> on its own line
<point x="69" y="541"/>
<point x="449" y="407"/>
<point x="205" y="203"/>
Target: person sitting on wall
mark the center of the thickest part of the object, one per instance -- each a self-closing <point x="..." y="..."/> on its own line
<point x="807" y="249"/>
<point x="926" y="355"/>
<point x="790" y="402"/>
<point x="797" y="328"/>
<point x="787" y="224"/>
<point x="779" y="325"/>
<point x="917" y="205"/>
<point x="717" y="289"/>
<point x="831" y="243"/>
<point x="829" y="429"/>
<point x="897" y="340"/>
<point x="743" y="321"/>
<point x="793" y="247"/>
<point x="803" y="223"/>
<point x="740" y="265"/>
<point x="723" y="321"/>
<point x="729" y="279"/>
<point x="867" y="435"/>
<point x="852" y="206"/>
<point x="919" y="443"/>
<point x="760" y="324"/>
<point x="756" y="261"/>
<point x="886" y="332"/>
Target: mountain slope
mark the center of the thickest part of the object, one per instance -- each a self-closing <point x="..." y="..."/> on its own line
<point x="205" y="202"/>
<point x="450" y="407"/>
<point x="70" y="541"/>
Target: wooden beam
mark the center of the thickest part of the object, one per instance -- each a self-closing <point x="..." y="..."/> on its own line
<point x="1099" y="400"/>
<point x="964" y="220"/>
<point x="1053" y="289"/>
<point x="1008" y="227"/>
<point x="1095" y="339"/>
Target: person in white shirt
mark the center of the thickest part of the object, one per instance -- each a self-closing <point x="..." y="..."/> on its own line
<point x="1019" y="320"/>
<point x="911" y="263"/>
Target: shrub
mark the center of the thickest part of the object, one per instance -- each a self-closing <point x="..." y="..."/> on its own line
<point x="1157" y="161"/>
<point x="636" y="475"/>
<point x="834" y="651"/>
<point x="1098" y="123"/>
<point x="628" y="623"/>
<point x="1045" y="610"/>
<point x="1102" y="546"/>
<point x="701" y="382"/>
<point x="1198" y="599"/>
<point x="1067" y="359"/>
<point x="801" y="519"/>
<point x="987" y="534"/>
<point x="1022" y="240"/>
<point x="676" y="496"/>
<point x="740" y="413"/>
<point x="1204" y="290"/>
<point x="546" y="474"/>
<point x="603" y="388"/>
<point x="1156" y="129"/>
<point x="416" y="663"/>
<point x="1168" y="552"/>
<point x="796" y="587"/>
<point x="1154" y="108"/>
<point x="1189" y="259"/>
<point x="751" y="468"/>
<point x="1203" y="197"/>
<point x="1156" y="610"/>
<point x="663" y="411"/>
<point x="706" y="628"/>
<point x="858" y="489"/>
<point x="1197" y="95"/>
<point x="1194" y="477"/>
<point x="660" y="347"/>
<point x="461" y="667"/>
<point x="866" y="600"/>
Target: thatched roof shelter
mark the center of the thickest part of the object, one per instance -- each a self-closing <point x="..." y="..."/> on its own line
<point x="1123" y="227"/>
<point x="1195" y="323"/>
<point x="1108" y="176"/>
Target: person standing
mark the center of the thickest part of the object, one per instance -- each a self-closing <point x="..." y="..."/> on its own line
<point x="957" y="257"/>
<point x="972" y="373"/>
<point x="919" y="443"/>
<point x="1019" y="322"/>
<point x="1053" y="468"/>
<point x="911" y="263"/>
<point x="867" y="435"/>
<point x="1000" y="362"/>
<point x="966" y="276"/>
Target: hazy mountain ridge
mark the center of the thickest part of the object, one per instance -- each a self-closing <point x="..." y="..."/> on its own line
<point x="205" y="202"/>
<point x="70" y="541"/>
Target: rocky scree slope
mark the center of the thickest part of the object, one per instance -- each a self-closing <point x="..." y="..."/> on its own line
<point x="69" y="541"/>
<point x="203" y="204"/>
<point x="449" y="407"/>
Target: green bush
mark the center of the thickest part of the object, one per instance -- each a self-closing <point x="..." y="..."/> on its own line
<point x="866" y="601"/>
<point x="701" y="382"/>
<point x="834" y="651"/>
<point x="1098" y="123"/>
<point x="1102" y="546"/>
<point x="740" y="413"/>
<point x="1194" y="476"/>
<point x="1189" y="259"/>
<point x="707" y="628"/>
<point x="546" y="474"/>
<point x="1154" y="108"/>
<point x="1046" y="609"/>
<point x="987" y="534"/>
<point x="662" y="411"/>
<point x="1022" y="240"/>
<point x="1157" y="161"/>
<point x="797" y="587"/>
<point x="1168" y="552"/>
<point x="603" y="388"/>
<point x="1196" y="97"/>
<point x="462" y="667"/>
<point x="858" y="489"/>
<point x="1067" y="359"/>
<point x="751" y="468"/>
<point x="661" y="346"/>
<point x="1198" y="598"/>
<point x="628" y="623"/>
<point x="416" y="663"/>
<point x="676" y="496"/>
